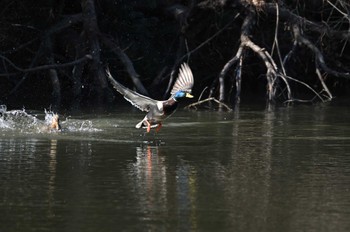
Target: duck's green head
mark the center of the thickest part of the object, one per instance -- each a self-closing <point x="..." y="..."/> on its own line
<point x="182" y="94"/>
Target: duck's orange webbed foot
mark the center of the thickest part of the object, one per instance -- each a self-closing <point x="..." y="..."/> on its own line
<point x="148" y="126"/>
<point x="158" y="127"/>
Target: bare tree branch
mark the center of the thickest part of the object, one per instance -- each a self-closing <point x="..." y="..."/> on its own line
<point x="127" y="63"/>
<point x="194" y="105"/>
<point x="319" y="56"/>
<point x="43" y="67"/>
<point x="289" y="16"/>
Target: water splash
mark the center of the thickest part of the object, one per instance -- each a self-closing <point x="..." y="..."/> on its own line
<point x="23" y="122"/>
<point x="3" y="109"/>
<point x="75" y="125"/>
<point x="16" y="119"/>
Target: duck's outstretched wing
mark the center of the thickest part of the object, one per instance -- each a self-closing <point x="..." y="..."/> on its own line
<point x="136" y="99"/>
<point x="184" y="81"/>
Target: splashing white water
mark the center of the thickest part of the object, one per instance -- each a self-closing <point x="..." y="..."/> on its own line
<point x="76" y="125"/>
<point x="16" y="119"/>
<point x="21" y="121"/>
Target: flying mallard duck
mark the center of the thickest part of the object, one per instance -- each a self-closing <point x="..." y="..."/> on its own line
<point x="158" y="110"/>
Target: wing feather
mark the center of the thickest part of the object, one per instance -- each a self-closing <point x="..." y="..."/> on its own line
<point x="140" y="101"/>
<point x="184" y="81"/>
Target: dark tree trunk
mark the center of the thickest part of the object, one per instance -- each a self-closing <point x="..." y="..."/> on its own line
<point x="91" y="31"/>
<point x="56" y="88"/>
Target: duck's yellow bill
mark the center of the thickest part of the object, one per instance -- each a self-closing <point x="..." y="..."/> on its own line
<point x="189" y="95"/>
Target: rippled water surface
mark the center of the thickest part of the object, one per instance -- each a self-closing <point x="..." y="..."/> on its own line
<point x="254" y="170"/>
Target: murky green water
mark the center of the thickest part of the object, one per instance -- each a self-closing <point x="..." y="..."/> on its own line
<point x="253" y="170"/>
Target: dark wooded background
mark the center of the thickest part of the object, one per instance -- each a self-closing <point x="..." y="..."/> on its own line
<point x="55" y="52"/>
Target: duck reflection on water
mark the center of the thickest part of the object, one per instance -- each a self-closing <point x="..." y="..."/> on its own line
<point x="163" y="186"/>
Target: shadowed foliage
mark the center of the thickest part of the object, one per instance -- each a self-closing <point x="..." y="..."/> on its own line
<point x="55" y="52"/>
